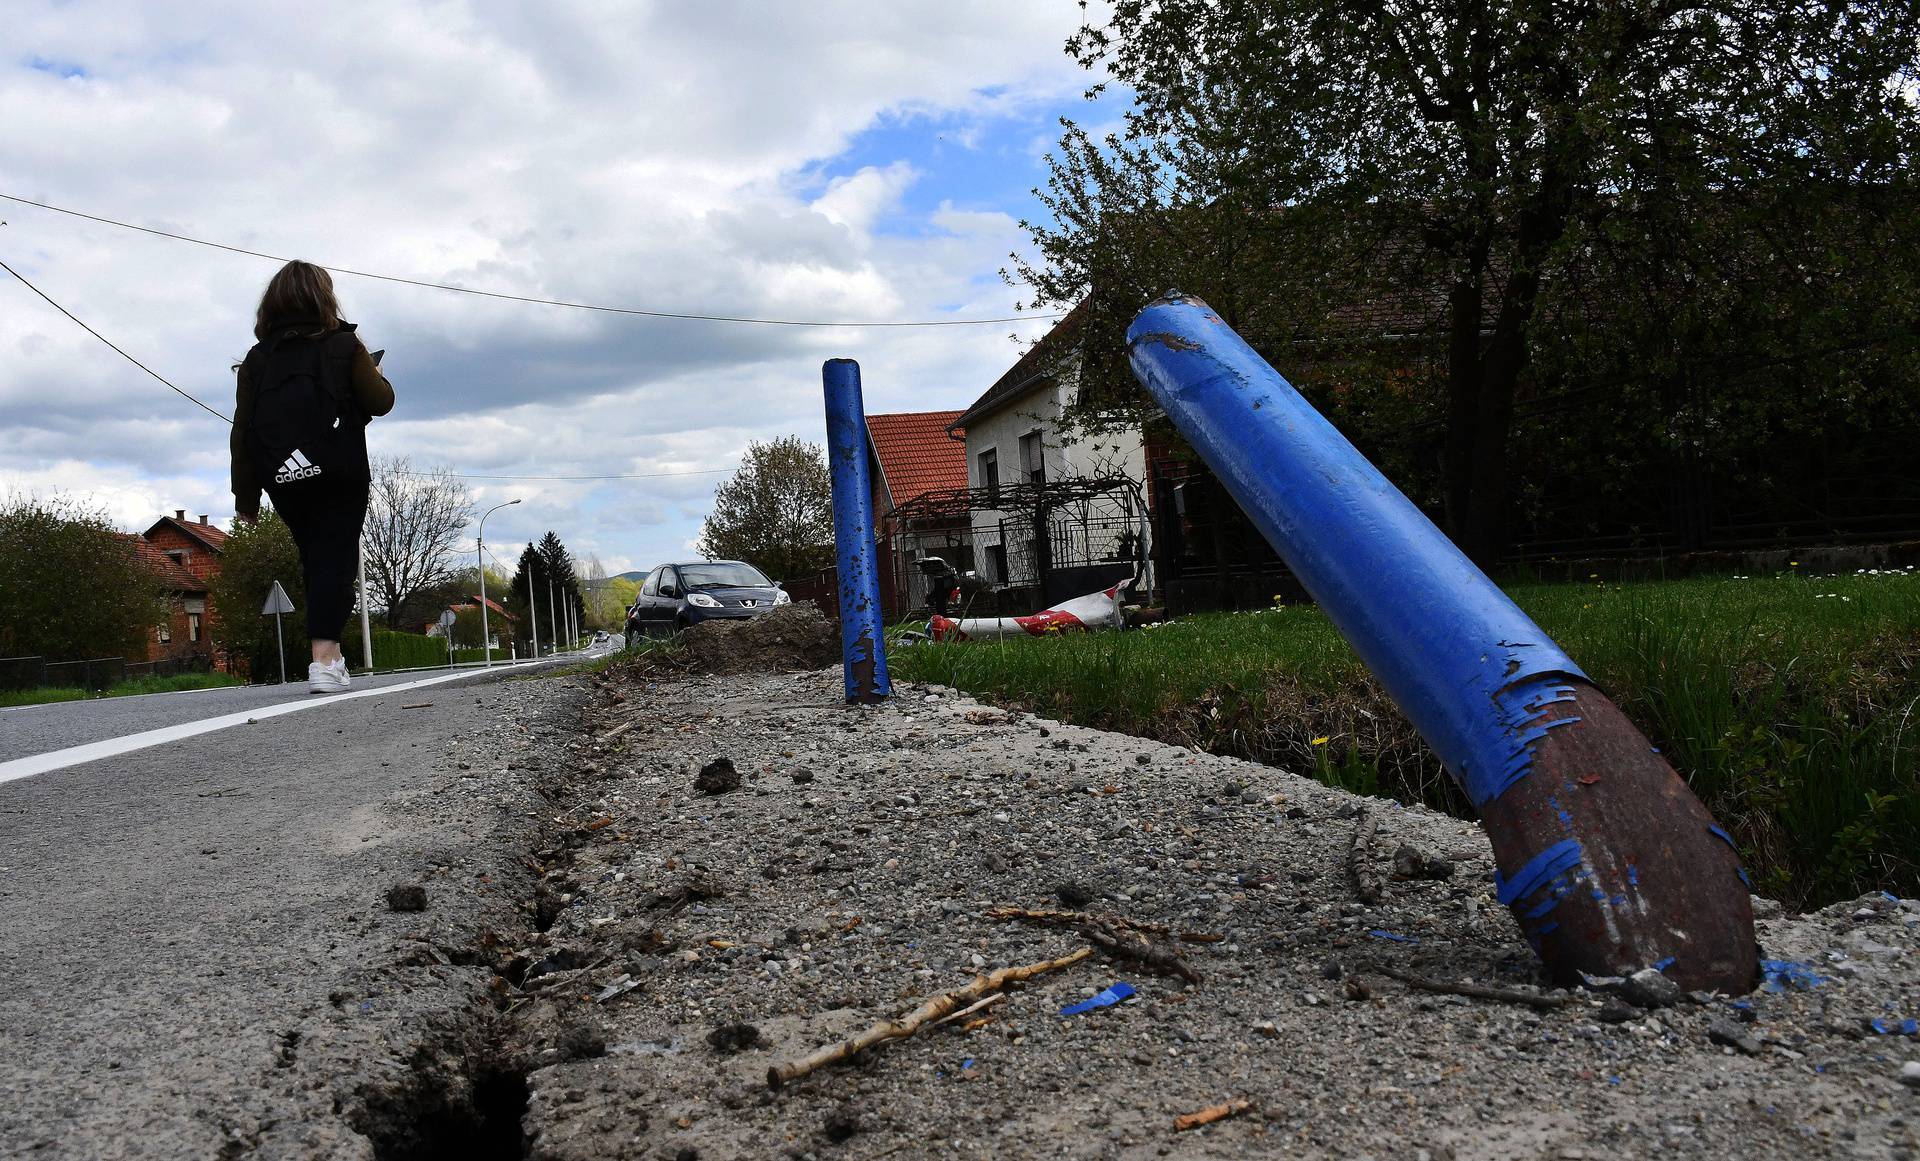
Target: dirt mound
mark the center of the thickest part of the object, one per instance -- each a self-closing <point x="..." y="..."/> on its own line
<point x="792" y="637"/>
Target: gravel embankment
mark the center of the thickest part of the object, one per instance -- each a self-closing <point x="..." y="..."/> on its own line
<point x="848" y="877"/>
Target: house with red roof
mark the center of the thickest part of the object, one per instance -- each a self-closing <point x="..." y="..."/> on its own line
<point x="913" y="454"/>
<point x="185" y="555"/>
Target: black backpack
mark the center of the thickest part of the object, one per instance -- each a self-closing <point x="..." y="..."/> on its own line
<point x="305" y="427"/>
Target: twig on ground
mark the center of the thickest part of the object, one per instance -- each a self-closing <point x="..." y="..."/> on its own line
<point x="930" y="1011"/>
<point x="1210" y="1114"/>
<point x="616" y="731"/>
<point x="1367" y="886"/>
<point x="970" y="1009"/>
<point x="1133" y="939"/>
<point x="1476" y="991"/>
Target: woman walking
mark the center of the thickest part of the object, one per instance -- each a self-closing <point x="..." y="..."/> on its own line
<point x="306" y="392"/>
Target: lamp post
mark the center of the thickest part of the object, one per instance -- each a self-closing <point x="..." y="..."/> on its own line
<point x="480" y="558"/>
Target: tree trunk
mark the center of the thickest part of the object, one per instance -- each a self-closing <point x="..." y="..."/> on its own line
<point x="1465" y="311"/>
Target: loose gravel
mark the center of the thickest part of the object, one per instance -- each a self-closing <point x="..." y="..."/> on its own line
<point x="684" y="941"/>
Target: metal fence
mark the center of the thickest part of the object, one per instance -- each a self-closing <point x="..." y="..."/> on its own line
<point x="93" y="673"/>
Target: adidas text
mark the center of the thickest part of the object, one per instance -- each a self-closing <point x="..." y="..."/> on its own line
<point x="296" y="468"/>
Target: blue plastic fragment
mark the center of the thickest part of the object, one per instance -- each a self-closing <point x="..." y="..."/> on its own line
<point x="1661" y="965"/>
<point x="1777" y="975"/>
<point x="966" y="1064"/>
<point x="1907" y="1027"/>
<point x="1106" y="999"/>
<point x="1378" y="934"/>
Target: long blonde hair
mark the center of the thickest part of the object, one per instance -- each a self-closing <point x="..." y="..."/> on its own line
<point x="300" y="290"/>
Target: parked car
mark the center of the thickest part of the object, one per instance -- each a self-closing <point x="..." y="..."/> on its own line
<point x="679" y="595"/>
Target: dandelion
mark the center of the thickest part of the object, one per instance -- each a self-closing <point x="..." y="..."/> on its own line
<point x="1321" y="740"/>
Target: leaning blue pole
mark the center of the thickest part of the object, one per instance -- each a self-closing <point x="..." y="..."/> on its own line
<point x="862" y="636"/>
<point x="1609" y="863"/>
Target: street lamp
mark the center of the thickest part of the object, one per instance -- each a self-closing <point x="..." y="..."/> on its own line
<point x="480" y="558"/>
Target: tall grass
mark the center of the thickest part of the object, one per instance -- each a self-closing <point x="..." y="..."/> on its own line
<point x="1788" y="702"/>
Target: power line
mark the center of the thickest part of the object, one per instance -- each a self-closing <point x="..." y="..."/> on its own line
<point x="224" y="419"/>
<point x="636" y="311"/>
<point x="110" y="343"/>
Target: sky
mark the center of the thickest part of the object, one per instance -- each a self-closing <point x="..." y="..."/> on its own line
<point x="829" y="161"/>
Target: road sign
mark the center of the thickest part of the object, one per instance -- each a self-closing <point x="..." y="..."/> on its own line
<point x="446" y="619"/>
<point x="277" y="601"/>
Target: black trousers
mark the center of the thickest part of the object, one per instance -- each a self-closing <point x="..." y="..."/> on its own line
<point x="325" y="521"/>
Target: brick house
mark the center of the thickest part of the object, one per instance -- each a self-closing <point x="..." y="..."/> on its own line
<point x="913" y="455"/>
<point x="185" y="555"/>
<point x="909" y="454"/>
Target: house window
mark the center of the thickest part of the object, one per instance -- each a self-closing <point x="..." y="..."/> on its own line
<point x="166" y="633"/>
<point x="193" y="626"/>
<point x="1033" y="458"/>
<point x="990" y="474"/>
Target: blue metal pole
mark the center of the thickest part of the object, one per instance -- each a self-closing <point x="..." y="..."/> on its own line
<point x="862" y="636"/>
<point x="1606" y="858"/>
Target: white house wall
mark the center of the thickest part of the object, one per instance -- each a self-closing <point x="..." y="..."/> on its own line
<point x="1115" y="453"/>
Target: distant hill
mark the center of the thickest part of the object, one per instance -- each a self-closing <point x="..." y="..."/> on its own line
<point x="638" y="574"/>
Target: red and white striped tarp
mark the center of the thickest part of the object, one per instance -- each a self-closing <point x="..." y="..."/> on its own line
<point x="1099" y="610"/>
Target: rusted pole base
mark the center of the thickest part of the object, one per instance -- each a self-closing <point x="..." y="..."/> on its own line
<point x="1609" y="862"/>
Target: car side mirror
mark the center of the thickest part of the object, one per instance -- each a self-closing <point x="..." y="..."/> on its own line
<point x="669" y="590"/>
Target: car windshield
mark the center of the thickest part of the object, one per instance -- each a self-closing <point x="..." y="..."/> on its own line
<point x="722" y="575"/>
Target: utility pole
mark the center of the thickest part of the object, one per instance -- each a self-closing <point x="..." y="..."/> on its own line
<point x="366" y="629"/>
<point x="533" y="615"/>
<point x="553" y="622"/>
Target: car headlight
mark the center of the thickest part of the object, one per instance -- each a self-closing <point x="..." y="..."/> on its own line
<point x="702" y="600"/>
<point x="781" y="598"/>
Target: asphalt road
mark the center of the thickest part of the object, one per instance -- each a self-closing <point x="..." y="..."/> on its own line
<point x="190" y="929"/>
<point x="38" y="729"/>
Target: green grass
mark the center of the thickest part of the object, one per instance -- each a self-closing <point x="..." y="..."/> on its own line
<point x="1788" y="702"/>
<point x="139" y="685"/>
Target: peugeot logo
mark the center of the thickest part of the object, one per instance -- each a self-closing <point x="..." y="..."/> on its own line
<point x="748" y="603"/>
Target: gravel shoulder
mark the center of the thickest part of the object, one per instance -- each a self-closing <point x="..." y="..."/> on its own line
<point x="850" y="875"/>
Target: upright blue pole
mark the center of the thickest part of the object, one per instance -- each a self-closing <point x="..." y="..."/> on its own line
<point x="862" y="636"/>
<point x="1608" y="861"/>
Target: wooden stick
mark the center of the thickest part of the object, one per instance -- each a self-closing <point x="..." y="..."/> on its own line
<point x="1125" y="938"/>
<point x="934" y="1009"/>
<point x="1210" y="1114"/>
<point x="616" y="731"/>
<point x="970" y="1009"/>
<point x="1476" y="991"/>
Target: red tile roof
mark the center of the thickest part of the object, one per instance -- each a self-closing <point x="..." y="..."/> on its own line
<point x="206" y="534"/>
<point x="916" y="454"/>
<point x="172" y="573"/>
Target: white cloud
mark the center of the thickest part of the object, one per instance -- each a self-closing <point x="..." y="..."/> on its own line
<point x="666" y="156"/>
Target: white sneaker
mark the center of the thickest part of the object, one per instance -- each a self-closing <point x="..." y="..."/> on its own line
<point x="327" y="676"/>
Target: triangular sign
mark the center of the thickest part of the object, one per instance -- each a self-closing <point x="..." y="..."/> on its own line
<point x="277" y="601"/>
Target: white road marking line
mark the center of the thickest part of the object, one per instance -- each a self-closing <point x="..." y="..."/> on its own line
<point x="34" y="764"/>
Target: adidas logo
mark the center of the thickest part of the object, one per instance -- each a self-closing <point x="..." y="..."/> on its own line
<point x="297" y="467"/>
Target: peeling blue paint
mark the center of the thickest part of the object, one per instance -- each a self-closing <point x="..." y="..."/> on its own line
<point x="1471" y="671"/>
<point x="1540" y="884"/>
